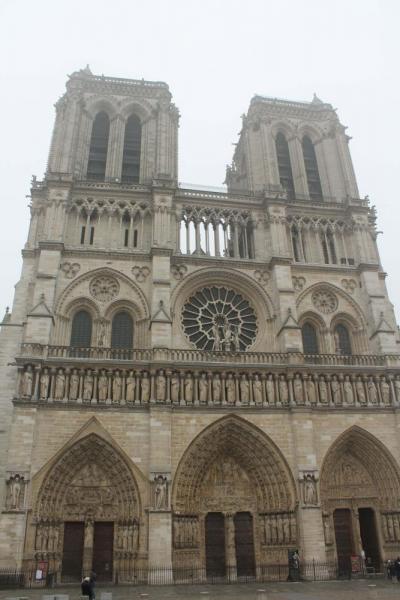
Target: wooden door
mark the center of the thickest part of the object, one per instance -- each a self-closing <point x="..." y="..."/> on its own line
<point x="103" y="545"/>
<point x="344" y="539"/>
<point x="71" y="569"/>
<point x="215" y="545"/>
<point x="244" y="544"/>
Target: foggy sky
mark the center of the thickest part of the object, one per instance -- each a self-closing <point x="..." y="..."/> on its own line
<point x="215" y="55"/>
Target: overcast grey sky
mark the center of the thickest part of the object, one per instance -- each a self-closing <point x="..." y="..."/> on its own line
<point x="215" y="55"/>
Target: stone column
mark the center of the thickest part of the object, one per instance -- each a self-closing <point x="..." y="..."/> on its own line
<point x="230" y="549"/>
<point x="87" y="560"/>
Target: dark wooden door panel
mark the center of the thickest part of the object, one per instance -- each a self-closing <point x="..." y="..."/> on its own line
<point x="215" y="545"/>
<point x="103" y="544"/>
<point x="369" y="537"/>
<point x="244" y="544"/>
<point x="72" y="551"/>
<point x="344" y="538"/>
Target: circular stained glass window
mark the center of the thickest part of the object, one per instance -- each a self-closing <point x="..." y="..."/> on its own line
<point x="218" y="318"/>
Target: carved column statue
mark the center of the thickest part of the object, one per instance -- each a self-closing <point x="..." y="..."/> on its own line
<point x="27" y="383"/>
<point x="308" y="480"/>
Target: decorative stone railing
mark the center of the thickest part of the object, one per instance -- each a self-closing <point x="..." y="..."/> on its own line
<point x="204" y="385"/>
<point x="189" y="356"/>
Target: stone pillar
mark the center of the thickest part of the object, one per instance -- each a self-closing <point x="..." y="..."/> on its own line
<point x="230" y="549"/>
<point x="87" y="560"/>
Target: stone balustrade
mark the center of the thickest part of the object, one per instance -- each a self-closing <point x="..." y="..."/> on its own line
<point x="188" y="356"/>
<point x="256" y="387"/>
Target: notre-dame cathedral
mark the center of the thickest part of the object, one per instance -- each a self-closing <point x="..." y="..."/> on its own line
<point x="193" y="378"/>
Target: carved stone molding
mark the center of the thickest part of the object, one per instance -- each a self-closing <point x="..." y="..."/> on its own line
<point x="262" y="277"/>
<point x="104" y="288"/>
<point x="140" y="273"/>
<point x="324" y="301"/>
<point x="298" y="283"/>
<point x="70" y="269"/>
<point x="349" y="285"/>
<point x="179" y="271"/>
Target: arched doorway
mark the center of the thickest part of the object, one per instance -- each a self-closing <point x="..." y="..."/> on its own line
<point x="360" y="491"/>
<point x="234" y="503"/>
<point x="87" y="513"/>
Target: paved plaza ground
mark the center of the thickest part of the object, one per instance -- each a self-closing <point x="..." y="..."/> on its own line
<point x="332" y="590"/>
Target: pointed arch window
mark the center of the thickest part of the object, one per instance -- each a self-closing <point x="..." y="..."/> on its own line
<point x="342" y="340"/>
<point x="122" y="330"/>
<point x="311" y="166"/>
<point x="284" y="164"/>
<point x="81" y="331"/>
<point x="310" y="339"/>
<point x="131" y="154"/>
<point x="98" y="147"/>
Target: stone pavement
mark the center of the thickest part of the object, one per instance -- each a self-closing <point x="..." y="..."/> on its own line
<point x="332" y="590"/>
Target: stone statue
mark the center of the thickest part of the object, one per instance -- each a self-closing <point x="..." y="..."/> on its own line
<point x="88" y="386"/>
<point x="327" y="530"/>
<point x="103" y="386"/>
<point x="160" y="492"/>
<point x="257" y="390"/>
<point x="311" y="393"/>
<point x="230" y="389"/>
<point x="44" y="384"/>
<point x="216" y="386"/>
<point x="59" y="390"/>
<point x="336" y="391"/>
<point x="16" y="483"/>
<point x="203" y="389"/>
<point x="236" y="338"/>
<point x="385" y="528"/>
<point x="372" y="391"/>
<point x="298" y="389"/>
<point x="360" y="391"/>
<point x="385" y="391"/>
<point x="145" y="388"/>
<point x="244" y="390"/>
<point x="130" y="387"/>
<point x="117" y="388"/>
<point x="227" y="336"/>
<point x="161" y="384"/>
<point x="286" y="528"/>
<point x="217" y="337"/>
<point x="27" y="383"/>
<point x="390" y="527"/>
<point x="188" y="389"/>
<point x="283" y="390"/>
<point x="101" y="341"/>
<point x="323" y="391"/>
<point x="73" y="385"/>
<point x="348" y="391"/>
<point x="175" y="388"/>
<point x="397" y="387"/>
<point x="270" y="389"/>
<point x="310" y="489"/>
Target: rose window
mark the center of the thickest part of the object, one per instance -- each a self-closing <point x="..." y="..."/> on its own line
<point x="218" y="318"/>
<point x="104" y="288"/>
<point x="324" y="301"/>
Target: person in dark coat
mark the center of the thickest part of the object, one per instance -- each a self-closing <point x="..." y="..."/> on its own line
<point x="87" y="586"/>
<point x="397" y="568"/>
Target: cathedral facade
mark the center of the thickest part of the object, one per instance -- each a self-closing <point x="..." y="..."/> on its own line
<point x="197" y="379"/>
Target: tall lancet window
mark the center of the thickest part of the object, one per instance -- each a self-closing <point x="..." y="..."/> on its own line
<point x="98" y="147"/>
<point x="312" y="173"/>
<point x="131" y="155"/>
<point x="284" y="165"/>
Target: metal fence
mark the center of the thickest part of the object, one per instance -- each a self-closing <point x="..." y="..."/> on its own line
<point x="307" y="571"/>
